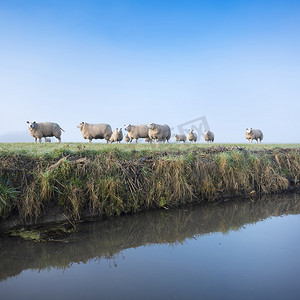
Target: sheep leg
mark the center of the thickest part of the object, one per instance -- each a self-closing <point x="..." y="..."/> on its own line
<point x="59" y="140"/>
<point x="40" y="140"/>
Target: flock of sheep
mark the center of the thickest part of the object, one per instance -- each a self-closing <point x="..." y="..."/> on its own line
<point x="150" y="133"/>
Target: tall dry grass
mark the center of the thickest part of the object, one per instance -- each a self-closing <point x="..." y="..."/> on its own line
<point x="114" y="181"/>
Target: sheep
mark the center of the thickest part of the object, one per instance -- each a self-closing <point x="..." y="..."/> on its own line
<point x="159" y="132"/>
<point x="47" y="140"/>
<point x="209" y="136"/>
<point x="254" y="134"/>
<point x="136" y="131"/>
<point x="180" y="137"/>
<point x="247" y="135"/>
<point x="126" y="138"/>
<point x="192" y="136"/>
<point x="95" y="131"/>
<point x="116" y="136"/>
<point x="148" y="140"/>
<point x="120" y="135"/>
<point x="44" y="129"/>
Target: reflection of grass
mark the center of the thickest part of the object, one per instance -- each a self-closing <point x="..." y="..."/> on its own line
<point x="106" y="239"/>
<point x="115" y="179"/>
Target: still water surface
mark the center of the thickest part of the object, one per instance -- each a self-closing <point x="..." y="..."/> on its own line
<point x="233" y="250"/>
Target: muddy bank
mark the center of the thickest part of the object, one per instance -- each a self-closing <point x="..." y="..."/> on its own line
<point x="74" y="185"/>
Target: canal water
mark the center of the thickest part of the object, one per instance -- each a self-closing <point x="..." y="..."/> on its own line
<point x="239" y="249"/>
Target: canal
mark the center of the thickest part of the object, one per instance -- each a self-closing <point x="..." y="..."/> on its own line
<point x="239" y="249"/>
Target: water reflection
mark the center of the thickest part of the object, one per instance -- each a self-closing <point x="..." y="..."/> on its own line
<point x="105" y="240"/>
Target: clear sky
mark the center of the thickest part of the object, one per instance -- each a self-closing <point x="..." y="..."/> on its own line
<point x="119" y="62"/>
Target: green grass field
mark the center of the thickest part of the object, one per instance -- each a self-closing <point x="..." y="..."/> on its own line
<point x="48" y="148"/>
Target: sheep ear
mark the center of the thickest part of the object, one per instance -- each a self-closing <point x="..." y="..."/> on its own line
<point x="28" y="122"/>
<point x="34" y="122"/>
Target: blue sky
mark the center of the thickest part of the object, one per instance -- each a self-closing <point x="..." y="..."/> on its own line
<point x="119" y="62"/>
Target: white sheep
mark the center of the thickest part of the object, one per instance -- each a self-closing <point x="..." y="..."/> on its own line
<point x="209" y="136"/>
<point x="44" y="129"/>
<point x="136" y="131"/>
<point x="126" y="138"/>
<point x="159" y="132"/>
<point x="254" y="134"/>
<point x="120" y="135"/>
<point x="180" y="138"/>
<point x="116" y="136"/>
<point x="95" y="131"/>
<point x="192" y="136"/>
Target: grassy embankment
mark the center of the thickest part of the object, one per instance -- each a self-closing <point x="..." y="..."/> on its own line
<point x="110" y="180"/>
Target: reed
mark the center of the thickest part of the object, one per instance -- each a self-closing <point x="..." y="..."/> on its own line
<point x="103" y="180"/>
